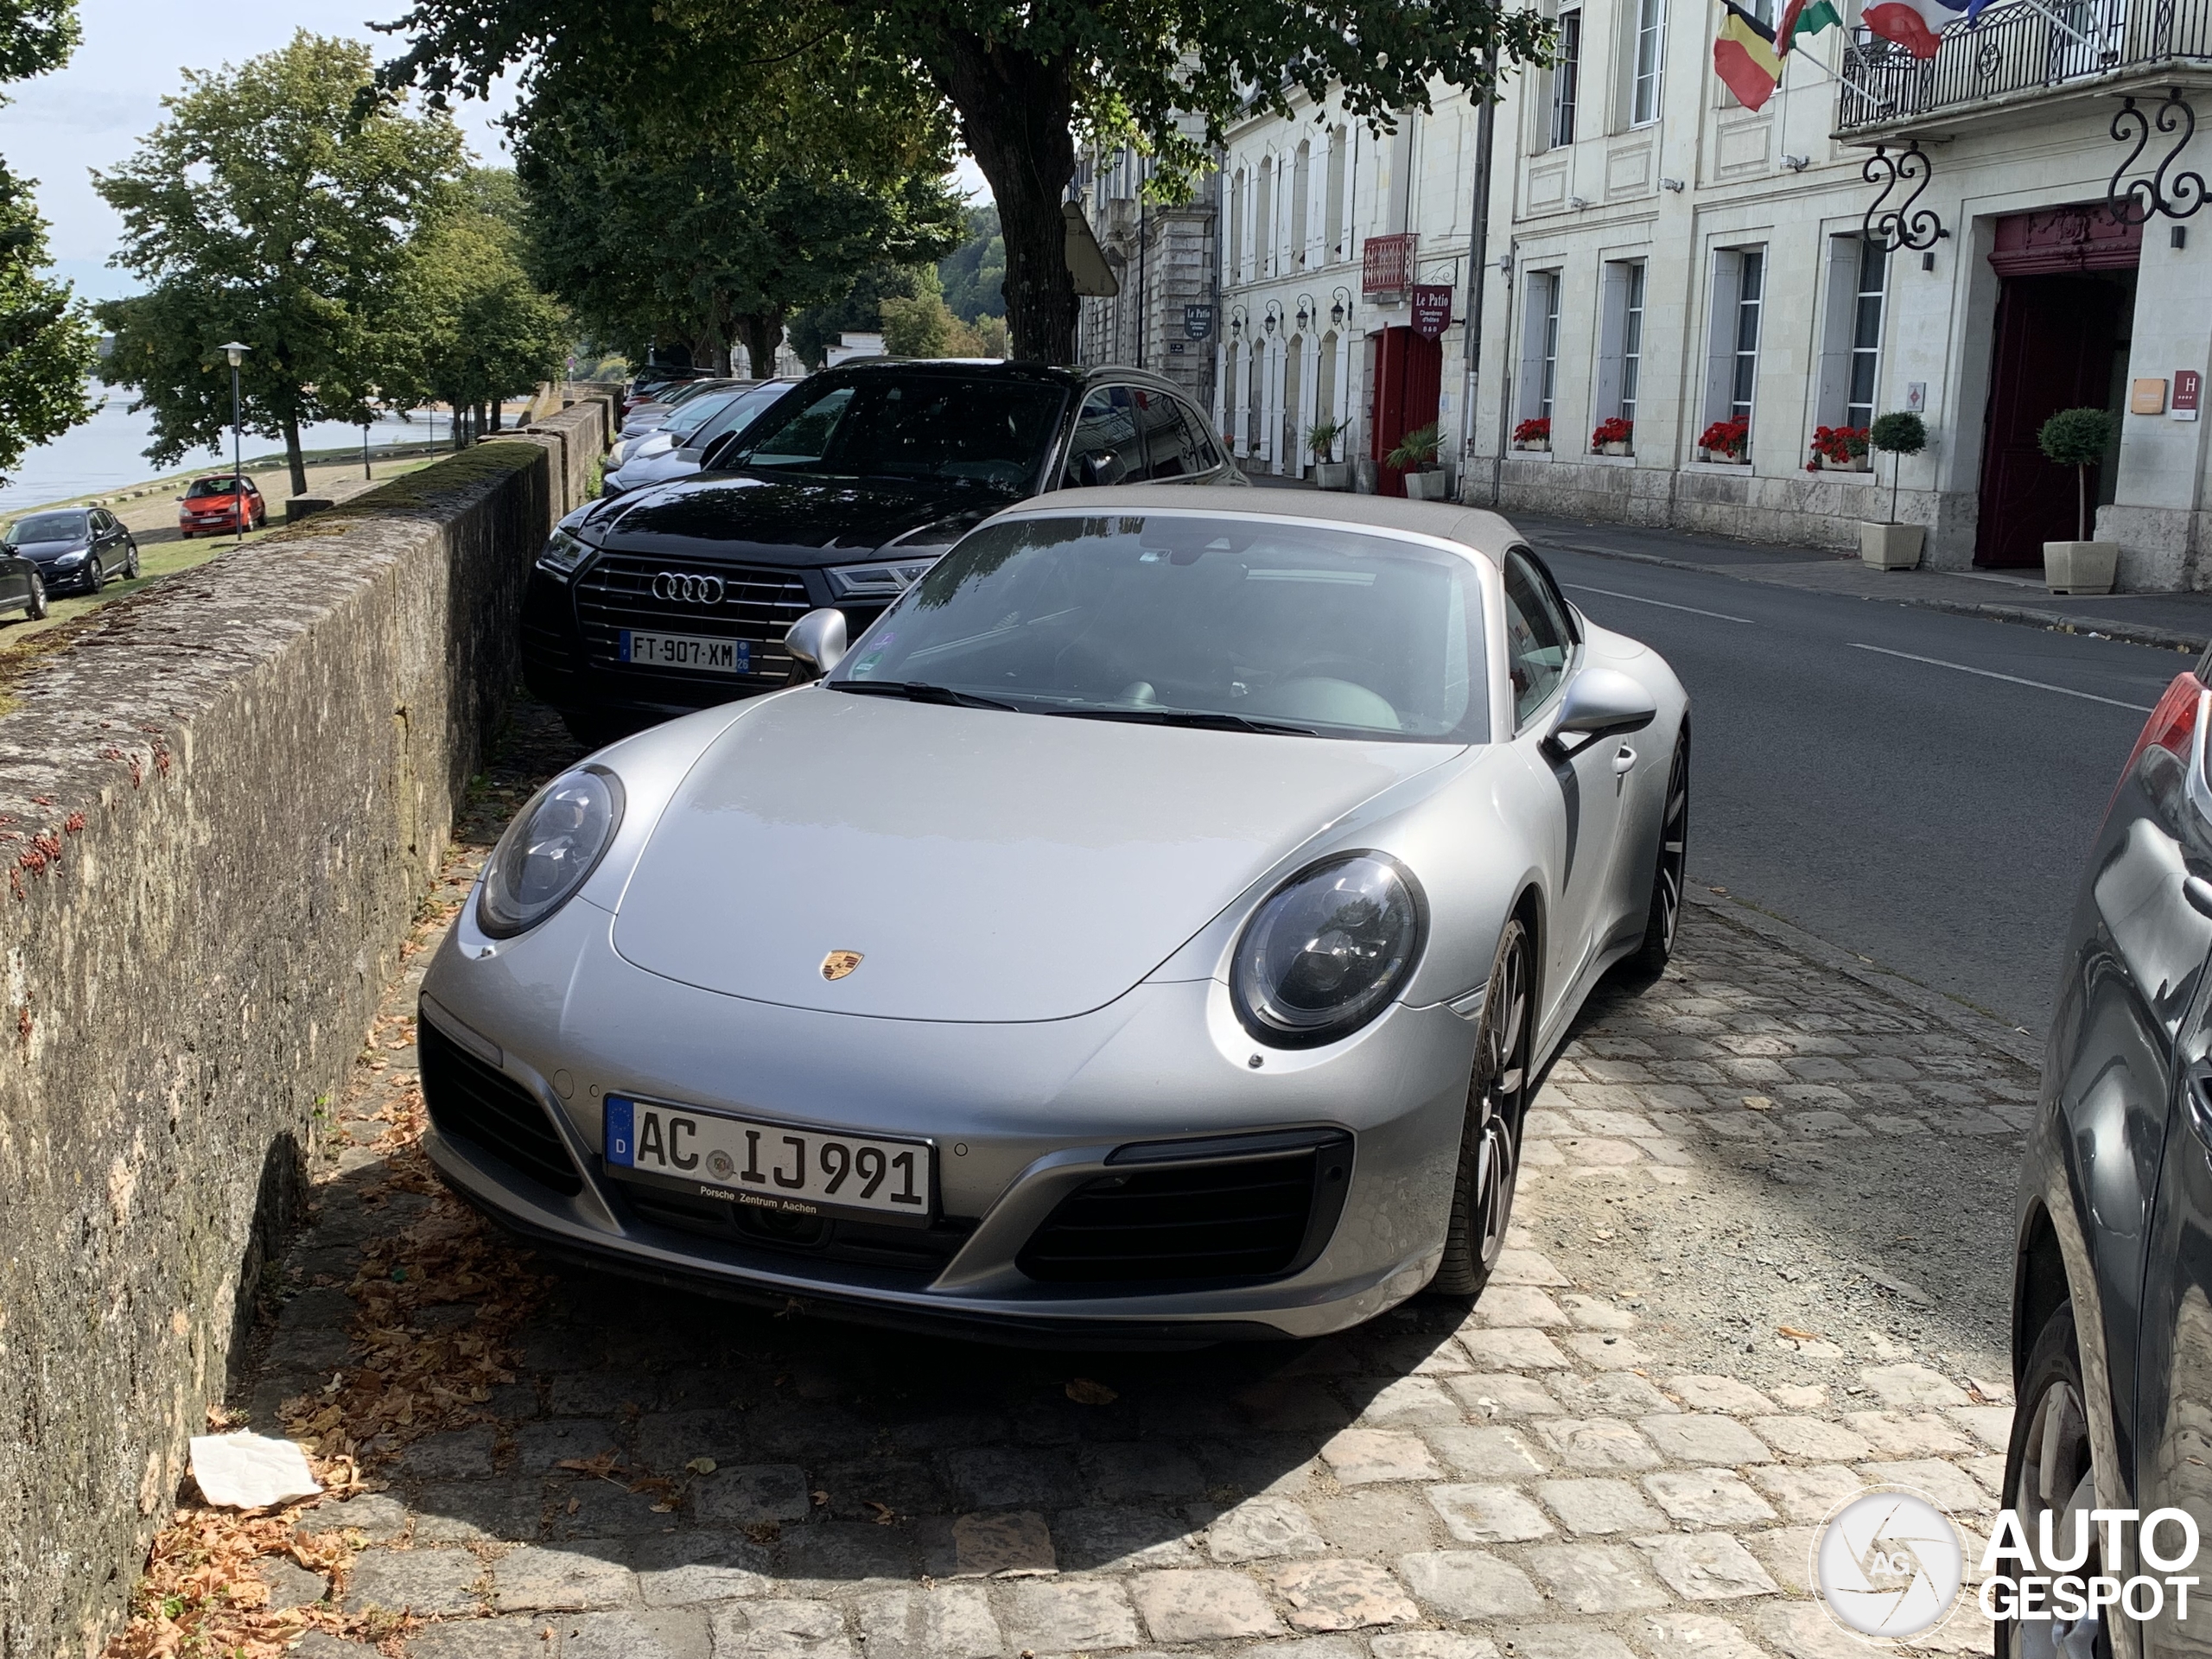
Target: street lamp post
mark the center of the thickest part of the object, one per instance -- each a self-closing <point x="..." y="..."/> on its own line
<point x="236" y="350"/>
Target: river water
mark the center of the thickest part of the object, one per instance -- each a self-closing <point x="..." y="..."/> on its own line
<point x="107" y="452"/>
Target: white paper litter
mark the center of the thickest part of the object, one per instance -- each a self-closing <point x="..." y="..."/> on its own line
<point x="247" y="1471"/>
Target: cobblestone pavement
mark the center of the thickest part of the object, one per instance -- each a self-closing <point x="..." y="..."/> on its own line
<point x="1759" y="1261"/>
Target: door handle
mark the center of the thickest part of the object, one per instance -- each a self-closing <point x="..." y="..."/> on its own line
<point x="1624" y="760"/>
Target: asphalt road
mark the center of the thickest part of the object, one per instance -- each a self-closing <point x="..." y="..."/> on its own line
<point x="1917" y="787"/>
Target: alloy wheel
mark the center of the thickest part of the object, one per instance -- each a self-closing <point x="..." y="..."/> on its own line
<point x="2058" y="1477"/>
<point x="1673" y="846"/>
<point x="1501" y="1074"/>
<point x="130" y="562"/>
<point x="36" y="609"/>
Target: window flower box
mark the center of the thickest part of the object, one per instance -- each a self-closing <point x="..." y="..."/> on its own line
<point x="1728" y="442"/>
<point x="1615" y="436"/>
<point x="1534" y="436"/>
<point x="1839" y="449"/>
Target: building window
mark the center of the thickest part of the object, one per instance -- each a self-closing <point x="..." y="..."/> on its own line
<point x="1620" y="339"/>
<point x="1567" y="78"/>
<point x="1745" y="370"/>
<point x="1539" y="346"/>
<point x="1333" y="230"/>
<point x="1632" y="341"/>
<point x="1865" y="334"/>
<point x="1650" y="48"/>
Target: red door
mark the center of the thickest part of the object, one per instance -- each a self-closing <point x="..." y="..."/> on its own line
<point x="2054" y="341"/>
<point x="1405" y="379"/>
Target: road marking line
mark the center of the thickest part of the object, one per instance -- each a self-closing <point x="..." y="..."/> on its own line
<point x="1636" y="599"/>
<point x="2010" y="679"/>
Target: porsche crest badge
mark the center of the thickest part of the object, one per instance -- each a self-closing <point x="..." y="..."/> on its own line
<point x="838" y="964"/>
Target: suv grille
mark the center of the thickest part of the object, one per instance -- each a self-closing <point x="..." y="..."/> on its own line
<point x="482" y="1105"/>
<point x="614" y="592"/>
<point x="1249" y="1207"/>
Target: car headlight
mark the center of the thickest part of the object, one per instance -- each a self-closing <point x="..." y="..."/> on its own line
<point x="550" y="850"/>
<point x="886" y="579"/>
<point x="68" y="559"/>
<point x="1327" y="951"/>
<point x="564" y="553"/>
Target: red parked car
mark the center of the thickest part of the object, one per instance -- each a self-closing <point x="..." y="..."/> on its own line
<point x="217" y="504"/>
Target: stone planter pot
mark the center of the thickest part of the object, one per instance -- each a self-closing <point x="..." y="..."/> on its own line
<point x="1332" y="475"/>
<point x="1723" y="458"/>
<point x="1425" y="486"/>
<point x="1541" y="446"/>
<point x="1615" y="449"/>
<point x="1890" y="547"/>
<point x="2080" y="567"/>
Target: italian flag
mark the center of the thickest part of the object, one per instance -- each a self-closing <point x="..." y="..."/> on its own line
<point x="1744" y="56"/>
<point x="1804" y="17"/>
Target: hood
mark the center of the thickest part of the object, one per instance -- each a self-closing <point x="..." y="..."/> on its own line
<point x="799" y="521"/>
<point x="40" y="552"/>
<point x="986" y="866"/>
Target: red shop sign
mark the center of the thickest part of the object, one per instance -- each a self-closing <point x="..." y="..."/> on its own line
<point x="1432" y="304"/>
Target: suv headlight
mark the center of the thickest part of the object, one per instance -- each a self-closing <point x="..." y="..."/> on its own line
<point x="550" y="850"/>
<point x="564" y="553"/>
<point x="886" y="579"/>
<point x="1327" y="951"/>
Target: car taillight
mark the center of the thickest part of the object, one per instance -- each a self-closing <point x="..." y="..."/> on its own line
<point x="2172" y="725"/>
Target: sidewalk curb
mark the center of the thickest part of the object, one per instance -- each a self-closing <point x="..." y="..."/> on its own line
<point x="2133" y="633"/>
<point x="1970" y="1023"/>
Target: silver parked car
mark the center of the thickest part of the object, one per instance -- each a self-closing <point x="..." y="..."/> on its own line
<point x="1150" y="929"/>
<point x="677" y="451"/>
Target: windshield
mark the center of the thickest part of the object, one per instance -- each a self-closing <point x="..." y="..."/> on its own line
<point x="738" y="413"/>
<point x="697" y="411"/>
<point x="990" y="432"/>
<point x="47" y="527"/>
<point x="207" y="486"/>
<point x="1198" y="619"/>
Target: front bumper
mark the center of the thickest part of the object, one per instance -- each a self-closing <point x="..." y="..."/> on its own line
<point x="1022" y="1117"/>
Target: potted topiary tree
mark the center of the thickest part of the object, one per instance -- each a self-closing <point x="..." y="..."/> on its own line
<point x="1321" y="438"/>
<point x="2078" y="438"/>
<point x="1890" y="545"/>
<point x="1415" y="456"/>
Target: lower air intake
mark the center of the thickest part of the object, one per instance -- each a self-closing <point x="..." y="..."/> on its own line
<point x="482" y="1106"/>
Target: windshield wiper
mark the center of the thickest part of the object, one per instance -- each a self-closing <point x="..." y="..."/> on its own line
<point x="916" y="691"/>
<point x="1202" y="720"/>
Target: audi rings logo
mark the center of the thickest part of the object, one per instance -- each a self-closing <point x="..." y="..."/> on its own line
<point x="684" y="588"/>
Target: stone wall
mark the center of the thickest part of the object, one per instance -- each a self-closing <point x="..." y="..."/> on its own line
<point x="222" y="800"/>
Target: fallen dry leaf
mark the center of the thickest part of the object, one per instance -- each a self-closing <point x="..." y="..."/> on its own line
<point x="700" y="1466"/>
<point x="1084" y="1392"/>
<point x="1800" y="1336"/>
<point x="885" y="1515"/>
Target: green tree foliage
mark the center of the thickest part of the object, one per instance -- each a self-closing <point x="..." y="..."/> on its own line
<point x="973" y="273"/>
<point x="2079" y="438"/>
<point x="47" y="346"/>
<point x="480" y="331"/>
<point x="1022" y="76"/>
<point x="274" y="206"/>
<point x="711" y="236"/>
<point x="858" y="309"/>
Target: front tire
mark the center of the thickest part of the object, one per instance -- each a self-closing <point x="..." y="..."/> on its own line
<point x="130" y="562"/>
<point x="1664" y="918"/>
<point x="95" y="577"/>
<point x="36" y="611"/>
<point x="1490" y="1144"/>
<point x="2050" y="1468"/>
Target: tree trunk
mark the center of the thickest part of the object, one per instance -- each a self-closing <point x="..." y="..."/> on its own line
<point x="1016" y="110"/>
<point x="2081" y="504"/>
<point x="762" y="332"/>
<point x="292" y="455"/>
<point x="498" y="410"/>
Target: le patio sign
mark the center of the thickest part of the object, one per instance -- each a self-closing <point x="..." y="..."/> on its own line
<point x="1431" y="309"/>
<point x="1197" y="321"/>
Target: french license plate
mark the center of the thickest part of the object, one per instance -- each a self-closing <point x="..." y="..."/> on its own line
<point x="768" y="1165"/>
<point x="693" y="651"/>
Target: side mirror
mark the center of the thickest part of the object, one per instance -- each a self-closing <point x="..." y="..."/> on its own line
<point x="1097" y="469"/>
<point x="817" y="639"/>
<point x="711" y="455"/>
<point x="1600" y="702"/>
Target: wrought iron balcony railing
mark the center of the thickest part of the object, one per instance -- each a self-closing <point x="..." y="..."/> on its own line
<point x="2019" y="52"/>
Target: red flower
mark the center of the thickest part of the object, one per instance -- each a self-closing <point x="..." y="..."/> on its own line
<point x="1535" y="430"/>
<point x="1839" y="444"/>
<point x="1615" y="430"/>
<point x="1730" y="437"/>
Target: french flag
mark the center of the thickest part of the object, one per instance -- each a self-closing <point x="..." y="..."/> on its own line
<point x="1916" y="25"/>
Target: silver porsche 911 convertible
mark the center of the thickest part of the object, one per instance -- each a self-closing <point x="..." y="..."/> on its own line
<point x="1148" y="931"/>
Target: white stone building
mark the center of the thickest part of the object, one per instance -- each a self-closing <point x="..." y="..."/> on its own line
<point x="1166" y="264"/>
<point x="1659" y="253"/>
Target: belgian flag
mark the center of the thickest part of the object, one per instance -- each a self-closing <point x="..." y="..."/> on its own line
<point x="1744" y="56"/>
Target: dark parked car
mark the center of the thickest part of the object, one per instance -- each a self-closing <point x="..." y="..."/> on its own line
<point x="677" y="596"/>
<point x="77" y="548"/>
<point x="21" y="587"/>
<point x="2111" y="1315"/>
<point x="219" y="506"/>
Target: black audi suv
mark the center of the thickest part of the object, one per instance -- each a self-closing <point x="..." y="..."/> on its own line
<point x="2111" y="1314"/>
<point x="677" y="596"/>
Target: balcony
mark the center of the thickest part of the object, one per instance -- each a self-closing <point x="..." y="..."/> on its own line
<point x="2020" y="64"/>
<point x="1387" y="262"/>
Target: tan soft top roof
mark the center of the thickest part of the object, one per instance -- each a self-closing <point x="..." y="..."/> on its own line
<point x="1472" y="527"/>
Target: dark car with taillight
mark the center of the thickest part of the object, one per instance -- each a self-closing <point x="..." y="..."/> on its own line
<point x="677" y="596"/>
<point x="2112" y="1306"/>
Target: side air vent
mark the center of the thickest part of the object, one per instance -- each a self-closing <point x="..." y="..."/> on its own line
<point x="480" y="1104"/>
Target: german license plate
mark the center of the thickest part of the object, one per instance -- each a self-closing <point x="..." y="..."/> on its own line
<point x="692" y="650"/>
<point x="768" y="1165"/>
